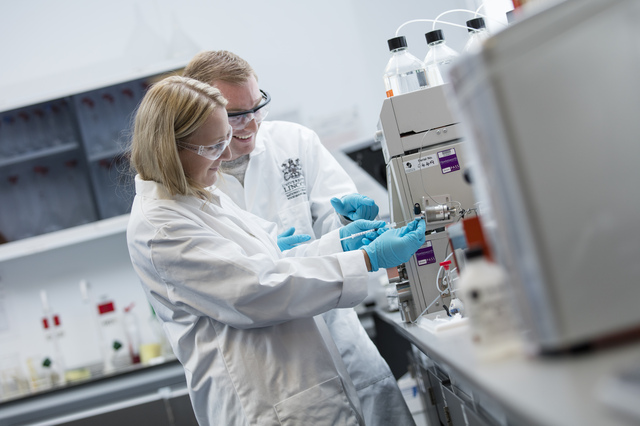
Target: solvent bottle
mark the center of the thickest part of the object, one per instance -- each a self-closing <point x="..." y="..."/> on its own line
<point x="439" y="58"/>
<point x="113" y="336"/>
<point x="482" y="288"/>
<point x="477" y="34"/>
<point x="404" y="72"/>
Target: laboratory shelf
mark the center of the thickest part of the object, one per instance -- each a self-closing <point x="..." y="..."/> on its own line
<point x="148" y="395"/>
<point x="106" y="155"/>
<point x="63" y="238"/>
<point x="71" y="183"/>
<point x="46" y="152"/>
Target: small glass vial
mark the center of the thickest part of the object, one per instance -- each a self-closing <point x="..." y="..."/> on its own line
<point x="404" y="72"/>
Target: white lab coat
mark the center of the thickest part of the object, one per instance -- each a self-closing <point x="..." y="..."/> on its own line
<point x="240" y="314"/>
<point x="290" y="179"/>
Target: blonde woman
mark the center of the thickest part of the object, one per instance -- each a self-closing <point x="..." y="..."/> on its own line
<point x="242" y="317"/>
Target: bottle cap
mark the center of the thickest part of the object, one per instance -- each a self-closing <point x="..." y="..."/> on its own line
<point x="433" y="36"/>
<point x="475" y="24"/>
<point x="474" y="252"/>
<point x="397" y="42"/>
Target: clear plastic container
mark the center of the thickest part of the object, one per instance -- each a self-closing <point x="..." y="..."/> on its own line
<point x="133" y="333"/>
<point x="404" y="72"/>
<point x="477" y="34"/>
<point x="439" y="58"/>
<point x="113" y="337"/>
<point x="482" y="288"/>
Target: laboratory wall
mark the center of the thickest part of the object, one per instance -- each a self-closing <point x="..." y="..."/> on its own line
<point x="322" y="62"/>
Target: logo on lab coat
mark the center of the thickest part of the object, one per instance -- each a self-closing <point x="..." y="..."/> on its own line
<point x="294" y="184"/>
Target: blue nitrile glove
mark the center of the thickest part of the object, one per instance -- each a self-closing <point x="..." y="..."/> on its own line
<point x="287" y="240"/>
<point x="355" y="206"/>
<point x="395" y="246"/>
<point x="359" y="225"/>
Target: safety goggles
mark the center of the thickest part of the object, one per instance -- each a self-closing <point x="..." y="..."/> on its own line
<point x="239" y="120"/>
<point x="212" y="152"/>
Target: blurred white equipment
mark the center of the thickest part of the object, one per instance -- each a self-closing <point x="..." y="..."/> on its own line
<point x="554" y="104"/>
<point x="422" y="146"/>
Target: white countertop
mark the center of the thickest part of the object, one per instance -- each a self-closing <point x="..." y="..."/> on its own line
<point x="532" y="390"/>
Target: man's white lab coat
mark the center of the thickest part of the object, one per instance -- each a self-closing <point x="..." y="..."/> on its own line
<point x="290" y="180"/>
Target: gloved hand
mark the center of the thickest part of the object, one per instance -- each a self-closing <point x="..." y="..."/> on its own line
<point x="359" y="225"/>
<point x="287" y="240"/>
<point x="355" y="206"/>
<point x="395" y="246"/>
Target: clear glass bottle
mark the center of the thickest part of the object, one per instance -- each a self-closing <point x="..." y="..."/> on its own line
<point x="404" y="72"/>
<point x="477" y="34"/>
<point x="439" y="58"/>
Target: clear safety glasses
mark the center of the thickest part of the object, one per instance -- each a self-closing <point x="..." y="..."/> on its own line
<point x="212" y="152"/>
<point x="239" y="120"/>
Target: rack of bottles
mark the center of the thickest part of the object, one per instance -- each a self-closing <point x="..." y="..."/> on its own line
<point x="63" y="162"/>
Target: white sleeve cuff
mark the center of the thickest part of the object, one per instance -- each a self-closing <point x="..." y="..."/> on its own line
<point x="356" y="277"/>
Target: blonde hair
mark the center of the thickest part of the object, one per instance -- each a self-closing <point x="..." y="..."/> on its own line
<point x="221" y="65"/>
<point x="171" y="110"/>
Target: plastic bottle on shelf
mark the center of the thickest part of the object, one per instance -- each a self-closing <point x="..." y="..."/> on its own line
<point x="404" y="72"/>
<point x="439" y="58"/>
<point x="113" y="336"/>
<point x="133" y="334"/>
<point x="64" y="122"/>
<point x="477" y="34"/>
<point x="53" y="362"/>
<point x="482" y="288"/>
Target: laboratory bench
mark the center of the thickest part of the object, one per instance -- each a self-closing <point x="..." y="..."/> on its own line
<point x="150" y="395"/>
<point x="460" y="388"/>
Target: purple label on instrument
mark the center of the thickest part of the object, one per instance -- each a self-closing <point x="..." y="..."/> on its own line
<point x="425" y="255"/>
<point x="448" y="161"/>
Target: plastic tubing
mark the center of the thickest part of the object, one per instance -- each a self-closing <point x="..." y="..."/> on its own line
<point x="437" y="20"/>
<point x="428" y="20"/>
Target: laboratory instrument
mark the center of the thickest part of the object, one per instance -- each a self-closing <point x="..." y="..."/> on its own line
<point x="554" y="148"/>
<point x="422" y="145"/>
<point x="404" y="72"/>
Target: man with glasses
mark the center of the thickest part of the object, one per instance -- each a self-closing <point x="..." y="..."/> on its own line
<point x="281" y="172"/>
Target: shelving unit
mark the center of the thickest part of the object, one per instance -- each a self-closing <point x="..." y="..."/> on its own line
<point x="63" y="160"/>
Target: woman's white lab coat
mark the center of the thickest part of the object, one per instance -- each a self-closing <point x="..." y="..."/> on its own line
<point x="290" y="180"/>
<point x="240" y="314"/>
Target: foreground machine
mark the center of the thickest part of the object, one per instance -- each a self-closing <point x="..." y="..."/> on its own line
<point x="425" y="161"/>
